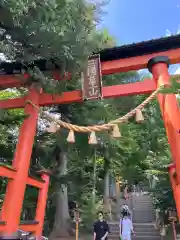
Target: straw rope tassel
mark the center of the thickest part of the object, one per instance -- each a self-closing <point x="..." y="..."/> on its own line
<point x="52" y="128"/>
<point x="139" y="116"/>
<point x="92" y="138"/>
<point x="116" y="132"/>
<point x="71" y="137"/>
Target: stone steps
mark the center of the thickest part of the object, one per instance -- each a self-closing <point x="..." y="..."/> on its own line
<point x="145" y="238"/>
<point x="137" y="237"/>
<point x="143" y="216"/>
<point x="143" y="231"/>
<point x="143" y="211"/>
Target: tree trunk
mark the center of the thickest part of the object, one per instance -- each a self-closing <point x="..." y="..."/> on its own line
<point x="61" y="226"/>
<point x="106" y="186"/>
<point x="94" y="184"/>
<point x="117" y="190"/>
<point x="114" y="188"/>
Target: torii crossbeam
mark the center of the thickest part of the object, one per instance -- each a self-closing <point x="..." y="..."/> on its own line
<point x="155" y="55"/>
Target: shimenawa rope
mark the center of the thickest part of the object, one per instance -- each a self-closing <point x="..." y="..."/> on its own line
<point x="96" y="128"/>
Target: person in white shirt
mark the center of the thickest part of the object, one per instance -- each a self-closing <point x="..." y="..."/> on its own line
<point x="125" y="209"/>
<point x="126" y="227"/>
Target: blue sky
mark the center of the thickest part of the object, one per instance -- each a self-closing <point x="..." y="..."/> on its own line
<point x="138" y="20"/>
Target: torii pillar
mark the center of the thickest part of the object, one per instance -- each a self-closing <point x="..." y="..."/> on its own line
<point x="158" y="66"/>
<point x="13" y="201"/>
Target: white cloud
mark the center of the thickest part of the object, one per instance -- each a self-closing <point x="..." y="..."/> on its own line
<point x="177" y="71"/>
<point x="168" y="33"/>
<point x="178" y="31"/>
<point x="144" y="73"/>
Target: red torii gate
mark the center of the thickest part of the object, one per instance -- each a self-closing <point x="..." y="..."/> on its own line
<point x="155" y="55"/>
